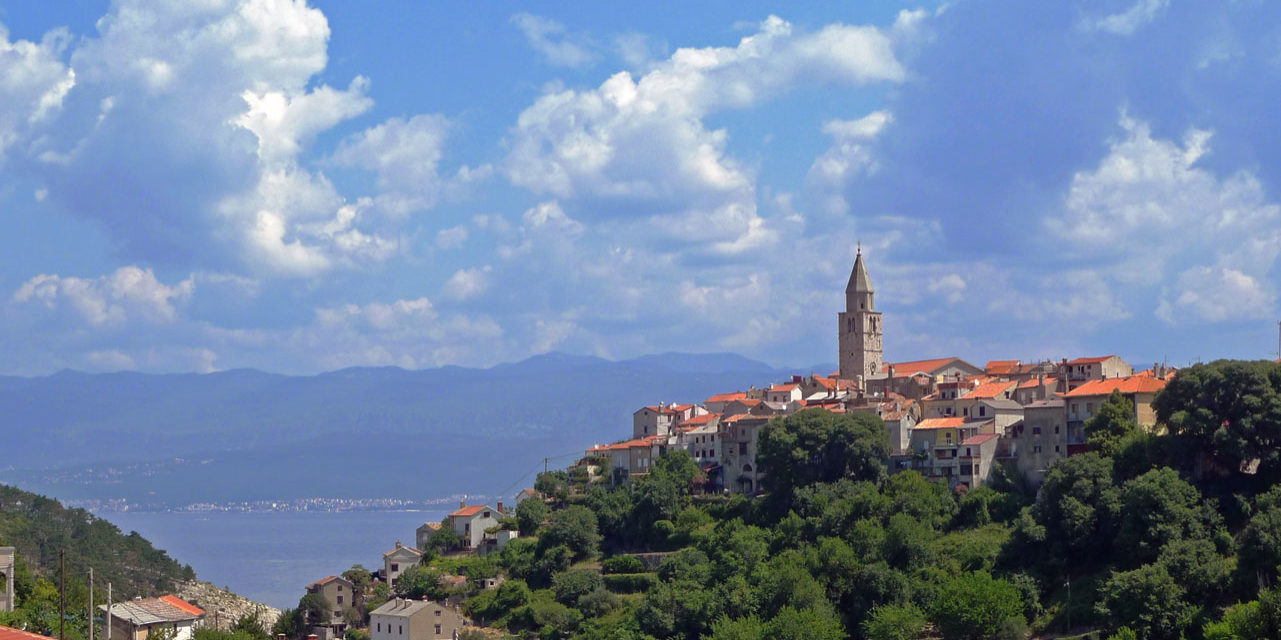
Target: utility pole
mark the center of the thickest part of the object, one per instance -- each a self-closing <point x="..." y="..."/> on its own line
<point x="62" y="594"/>
<point x="90" y="603"/>
<point x="107" y="622"/>
<point x="545" y="460"/>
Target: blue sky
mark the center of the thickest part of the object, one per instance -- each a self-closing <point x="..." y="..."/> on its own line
<point x="301" y="187"/>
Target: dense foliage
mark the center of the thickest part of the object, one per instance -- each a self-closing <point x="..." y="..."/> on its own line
<point x="39" y="528"/>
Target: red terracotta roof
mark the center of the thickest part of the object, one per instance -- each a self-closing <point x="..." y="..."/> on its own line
<point x="978" y="439"/>
<point x="918" y="366"/>
<point x="659" y="410"/>
<point x="467" y="512"/>
<point x="989" y="390"/>
<point x="187" y="606"/>
<point x="699" y="420"/>
<point x="1032" y="383"/>
<point x="1130" y="384"/>
<point x="1094" y="360"/>
<point x="1001" y="367"/>
<point x="727" y="397"/>
<point x="791" y="386"/>
<point x="940" y="423"/>
<point x="9" y="633"/>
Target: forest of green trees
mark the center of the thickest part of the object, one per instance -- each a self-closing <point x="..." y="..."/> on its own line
<point x="39" y="528"/>
<point x="1168" y="536"/>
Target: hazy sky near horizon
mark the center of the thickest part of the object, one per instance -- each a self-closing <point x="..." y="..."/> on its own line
<point x="305" y="186"/>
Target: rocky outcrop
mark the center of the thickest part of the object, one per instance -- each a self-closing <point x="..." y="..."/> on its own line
<point x="223" y="607"/>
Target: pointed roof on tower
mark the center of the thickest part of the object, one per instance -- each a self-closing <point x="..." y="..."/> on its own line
<point x="859" y="280"/>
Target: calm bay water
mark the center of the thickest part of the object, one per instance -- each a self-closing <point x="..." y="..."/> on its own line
<point x="271" y="557"/>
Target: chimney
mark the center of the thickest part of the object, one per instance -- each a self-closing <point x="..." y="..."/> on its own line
<point x="462" y="504"/>
<point x="398" y="545"/>
<point x="500" y="508"/>
<point x="312" y="636"/>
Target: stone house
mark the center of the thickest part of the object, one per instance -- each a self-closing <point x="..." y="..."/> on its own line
<point x="975" y="457"/>
<point x="470" y="523"/>
<point x="397" y="560"/>
<point x="1082" y="370"/>
<point x="137" y="619"/>
<point x="7" y="564"/>
<point x="401" y="619"/>
<point x="1042" y="387"/>
<point x="1086" y="399"/>
<point x="936" y="446"/>
<point x="783" y="393"/>
<point x="423" y="534"/>
<point x="655" y="420"/>
<point x="738" y="435"/>
<point x="337" y="592"/>
<point x="1040" y="439"/>
<point x="718" y="402"/>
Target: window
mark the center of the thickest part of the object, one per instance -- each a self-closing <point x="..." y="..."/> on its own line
<point x="485" y="515"/>
<point x="380" y="627"/>
<point x="400" y="629"/>
<point x="967" y="452"/>
<point x="1056" y="448"/>
<point x="438" y="628"/>
<point x="1089" y="408"/>
<point x="438" y="615"/>
<point x="1056" y="428"/>
<point x="1036" y="448"/>
<point x="395" y="567"/>
<point x="1036" y="431"/>
<point x="340" y="588"/>
<point x="1073" y="408"/>
<point x="339" y="599"/>
<point x="982" y="411"/>
<point x="742" y="448"/>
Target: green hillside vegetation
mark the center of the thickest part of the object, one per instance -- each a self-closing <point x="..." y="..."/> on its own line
<point x="39" y="528"/>
<point x="1146" y="536"/>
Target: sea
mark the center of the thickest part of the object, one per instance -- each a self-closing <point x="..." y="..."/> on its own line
<point x="270" y="557"/>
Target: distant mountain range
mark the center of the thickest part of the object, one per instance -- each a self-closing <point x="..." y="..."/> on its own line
<point x="361" y="432"/>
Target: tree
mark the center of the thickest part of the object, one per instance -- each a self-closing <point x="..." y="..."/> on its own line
<point x="1228" y="411"/>
<point x="1147" y="600"/>
<point x="814" y="445"/>
<point x="420" y="582"/>
<point x="315" y="609"/>
<point x="553" y="484"/>
<point x="750" y="628"/>
<point x="1114" y="422"/>
<point x="805" y="624"/>
<point x="665" y="490"/>
<point x="1157" y="508"/>
<point x="572" y="585"/>
<point x="895" y="622"/>
<point x="359" y="577"/>
<point x="530" y="515"/>
<point x="1260" y="551"/>
<point x="574" y="527"/>
<point x="975" y="606"/>
<point x="1074" y="516"/>
<point x="443" y="539"/>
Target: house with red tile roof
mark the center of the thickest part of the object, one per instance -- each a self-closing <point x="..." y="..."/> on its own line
<point x="1086" y="399"/>
<point x="1041" y="438"/>
<point x="936" y="447"/>
<point x="1041" y="387"/>
<point x="999" y="368"/>
<point x="338" y="594"/>
<point x="471" y="521"/>
<point x="9" y="633"/>
<point x="138" y="619"/>
<point x="783" y="393"/>
<point x="716" y="403"/>
<point x="654" y="420"/>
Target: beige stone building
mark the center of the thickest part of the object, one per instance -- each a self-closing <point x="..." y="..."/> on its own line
<point x="397" y="560"/>
<point x="1082" y="370"/>
<point x="401" y="619"/>
<point x="1040" y="439"/>
<point x="739" y="436"/>
<point x="1086" y="399"/>
<point x="337" y="592"/>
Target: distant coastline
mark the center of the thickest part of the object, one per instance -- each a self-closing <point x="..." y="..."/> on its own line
<point x="310" y="505"/>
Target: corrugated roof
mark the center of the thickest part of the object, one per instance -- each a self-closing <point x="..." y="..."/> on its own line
<point x="154" y="611"/>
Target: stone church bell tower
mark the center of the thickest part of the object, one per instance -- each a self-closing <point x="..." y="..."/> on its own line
<point x="859" y="326"/>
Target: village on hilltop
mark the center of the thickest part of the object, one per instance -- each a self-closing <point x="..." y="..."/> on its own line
<point x="947" y="418"/>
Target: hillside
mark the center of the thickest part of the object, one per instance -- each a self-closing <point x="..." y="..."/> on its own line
<point x="39" y="528"/>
